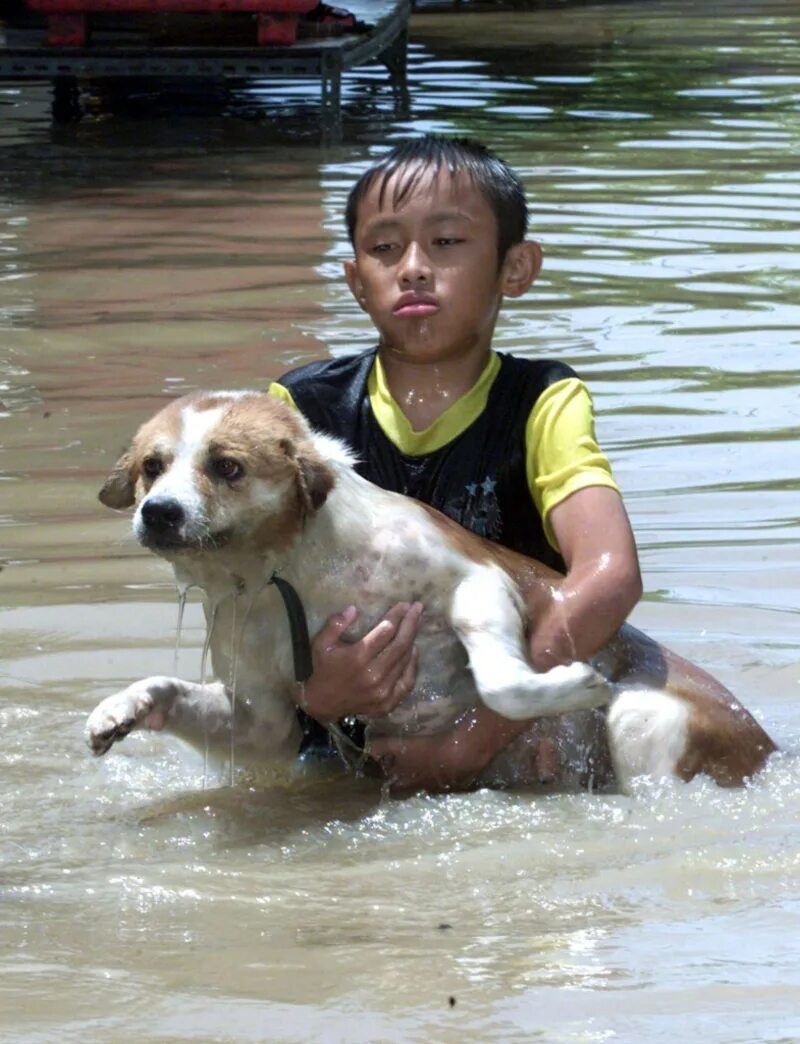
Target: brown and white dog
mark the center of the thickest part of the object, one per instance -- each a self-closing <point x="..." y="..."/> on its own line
<point x="234" y="487"/>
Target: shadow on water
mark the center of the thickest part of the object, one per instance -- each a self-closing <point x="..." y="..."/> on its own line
<point x="263" y="810"/>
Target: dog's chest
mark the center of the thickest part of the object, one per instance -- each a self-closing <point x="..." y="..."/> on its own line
<point x="402" y="559"/>
<point x="399" y="559"/>
<point x="444" y="687"/>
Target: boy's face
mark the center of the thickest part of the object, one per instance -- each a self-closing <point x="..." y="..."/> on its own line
<point x="427" y="272"/>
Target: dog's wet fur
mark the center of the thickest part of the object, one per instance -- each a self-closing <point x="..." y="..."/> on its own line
<point x="231" y="487"/>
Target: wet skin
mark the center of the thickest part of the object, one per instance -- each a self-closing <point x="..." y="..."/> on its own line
<point x="427" y="273"/>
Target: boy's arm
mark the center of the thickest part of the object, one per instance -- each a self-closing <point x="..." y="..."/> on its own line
<point x="603" y="581"/>
<point x="588" y="607"/>
<point x="585" y="518"/>
<point x="449" y="760"/>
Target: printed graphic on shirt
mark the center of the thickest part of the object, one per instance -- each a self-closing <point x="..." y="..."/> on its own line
<point x="477" y="508"/>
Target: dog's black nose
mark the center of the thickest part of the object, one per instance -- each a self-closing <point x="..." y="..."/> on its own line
<point x="162" y="514"/>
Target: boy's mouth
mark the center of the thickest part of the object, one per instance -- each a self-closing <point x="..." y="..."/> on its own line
<point x="415" y="305"/>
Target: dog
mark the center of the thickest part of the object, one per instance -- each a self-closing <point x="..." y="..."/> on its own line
<point x="234" y="489"/>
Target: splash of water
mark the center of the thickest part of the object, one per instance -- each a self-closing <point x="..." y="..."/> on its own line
<point x="212" y="619"/>
<point x="235" y="646"/>
<point x="236" y="651"/>
<point x="183" y="590"/>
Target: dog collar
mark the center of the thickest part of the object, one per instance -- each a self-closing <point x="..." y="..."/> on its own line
<point x="298" y="628"/>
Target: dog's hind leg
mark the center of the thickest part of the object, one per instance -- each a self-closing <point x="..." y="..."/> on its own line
<point x="196" y="713"/>
<point x="648" y="734"/>
<point x="487" y="615"/>
<point x="661" y="734"/>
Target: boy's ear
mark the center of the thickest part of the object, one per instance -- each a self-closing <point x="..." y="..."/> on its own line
<point x="521" y="266"/>
<point x="355" y="284"/>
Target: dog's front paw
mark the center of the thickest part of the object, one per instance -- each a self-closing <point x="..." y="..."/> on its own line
<point x="577" y="686"/>
<point x="561" y="690"/>
<point x="580" y="676"/>
<point x="117" y="715"/>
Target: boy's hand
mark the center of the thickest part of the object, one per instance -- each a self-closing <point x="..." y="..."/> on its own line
<point x="368" y="677"/>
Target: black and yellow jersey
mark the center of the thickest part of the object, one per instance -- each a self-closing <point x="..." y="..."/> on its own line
<point x="497" y="461"/>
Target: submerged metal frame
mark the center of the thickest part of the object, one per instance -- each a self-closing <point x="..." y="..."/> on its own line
<point x="24" y="57"/>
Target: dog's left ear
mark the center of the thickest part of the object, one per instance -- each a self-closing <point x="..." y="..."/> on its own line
<point x="314" y="477"/>
<point x="118" y="490"/>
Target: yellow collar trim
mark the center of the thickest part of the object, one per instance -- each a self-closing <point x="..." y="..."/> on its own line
<point x="455" y="419"/>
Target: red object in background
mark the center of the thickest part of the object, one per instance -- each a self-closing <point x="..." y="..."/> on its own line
<point x="66" y="30"/>
<point x="66" y="21"/>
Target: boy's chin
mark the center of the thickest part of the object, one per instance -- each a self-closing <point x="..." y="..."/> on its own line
<point x="423" y="349"/>
<point x="416" y="351"/>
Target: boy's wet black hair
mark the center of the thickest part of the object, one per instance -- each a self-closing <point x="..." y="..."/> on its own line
<point x="498" y="183"/>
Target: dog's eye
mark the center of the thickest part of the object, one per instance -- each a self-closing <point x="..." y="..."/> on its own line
<point x="227" y="468"/>
<point x="152" y="467"/>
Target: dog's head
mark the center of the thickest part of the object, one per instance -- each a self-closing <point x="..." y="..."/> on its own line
<point x="220" y="469"/>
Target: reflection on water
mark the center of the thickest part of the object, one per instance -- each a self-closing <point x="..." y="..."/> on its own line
<point x="149" y="251"/>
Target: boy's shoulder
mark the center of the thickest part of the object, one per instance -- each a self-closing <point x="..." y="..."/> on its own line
<point x="346" y="376"/>
<point x="330" y="391"/>
<point x="343" y="368"/>
<point x="531" y="377"/>
<point x="535" y="373"/>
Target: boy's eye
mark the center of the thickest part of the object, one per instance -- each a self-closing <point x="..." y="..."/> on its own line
<point x="447" y="241"/>
<point x="382" y="248"/>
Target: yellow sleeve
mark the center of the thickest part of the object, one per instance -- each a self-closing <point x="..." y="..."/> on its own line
<point x="561" y="448"/>
<point x="281" y="393"/>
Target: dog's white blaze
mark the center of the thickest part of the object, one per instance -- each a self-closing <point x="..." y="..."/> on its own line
<point x="648" y="734"/>
<point x="180" y="479"/>
<point x="196" y="424"/>
<point x="233" y="394"/>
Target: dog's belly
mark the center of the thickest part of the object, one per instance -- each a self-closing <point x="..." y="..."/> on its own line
<point x="444" y="687"/>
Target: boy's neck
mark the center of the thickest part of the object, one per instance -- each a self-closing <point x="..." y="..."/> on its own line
<point x="424" y="390"/>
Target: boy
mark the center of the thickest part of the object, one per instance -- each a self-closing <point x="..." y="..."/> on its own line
<point x="503" y="445"/>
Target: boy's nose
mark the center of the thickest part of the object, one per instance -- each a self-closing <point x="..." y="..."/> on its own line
<point x="416" y="266"/>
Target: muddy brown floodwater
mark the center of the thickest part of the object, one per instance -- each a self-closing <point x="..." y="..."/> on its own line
<point x="152" y="250"/>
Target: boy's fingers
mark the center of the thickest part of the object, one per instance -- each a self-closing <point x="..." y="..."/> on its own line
<point x="409" y="675"/>
<point x="396" y="683"/>
<point x="407" y="630"/>
<point x="383" y="634"/>
<point x="335" y="626"/>
<point x="396" y="645"/>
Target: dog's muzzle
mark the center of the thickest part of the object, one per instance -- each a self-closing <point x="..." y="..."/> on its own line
<point x="164" y="524"/>
<point x="161" y="522"/>
<point x="163" y="515"/>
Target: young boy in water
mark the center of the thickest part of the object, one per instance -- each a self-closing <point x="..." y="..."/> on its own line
<point x="503" y="445"/>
